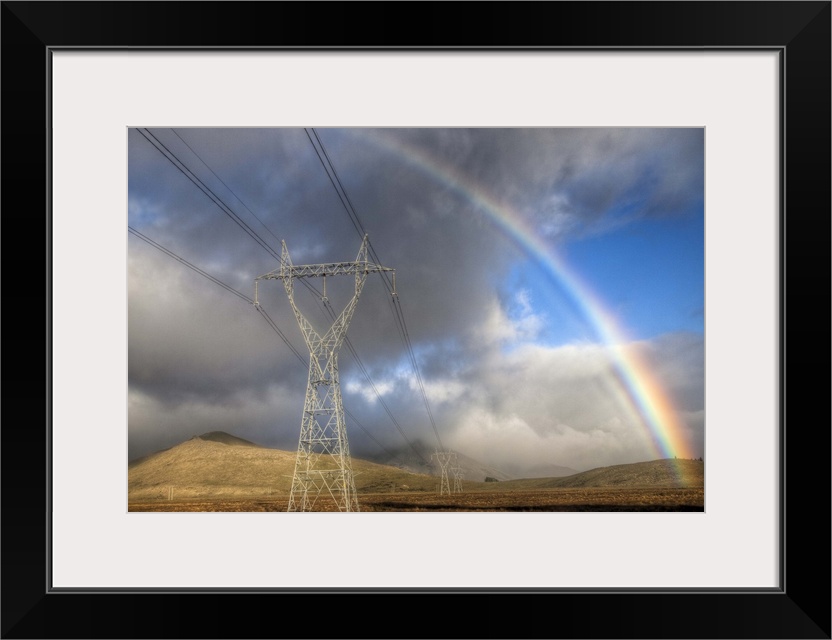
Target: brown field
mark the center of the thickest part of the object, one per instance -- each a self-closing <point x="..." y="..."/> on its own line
<point x="220" y="472"/>
<point x="576" y="500"/>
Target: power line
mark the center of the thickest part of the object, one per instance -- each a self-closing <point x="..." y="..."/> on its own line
<point x="170" y="253"/>
<point x="176" y="162"/>
<point x="263" y="224"/>
<point x="265" y="316"/>
<point x="332" y="174"/>
<point x="328" y="166"/>
<point x="228" y="211"/>
<point x="355" y="222"/>
<point x="381" y="400"/>
<point x="220" y="283"/>
<point x="398" y="311"/>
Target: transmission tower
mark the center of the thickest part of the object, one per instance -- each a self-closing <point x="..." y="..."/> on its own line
<point x="323" y="466"/>
<point x="444" y="459"/>
<point x="457" y="471"/>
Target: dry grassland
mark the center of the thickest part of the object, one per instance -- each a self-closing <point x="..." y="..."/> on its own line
<point x="580" y="500"/>
<point x="219" y="472"/>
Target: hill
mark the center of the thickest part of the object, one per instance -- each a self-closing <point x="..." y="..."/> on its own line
<point x="548" y="471"/>
<point x="226" y="438"/>
<point x="413" y="458"/>
<point x="213" y="436"/>
<point x="218" y="464"/>
<point x="668" y="473"/>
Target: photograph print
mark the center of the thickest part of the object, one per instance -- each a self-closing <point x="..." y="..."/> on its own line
<point x="416" y="320"/>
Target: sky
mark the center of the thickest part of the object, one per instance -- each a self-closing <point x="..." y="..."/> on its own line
<point x="551" y="283"/>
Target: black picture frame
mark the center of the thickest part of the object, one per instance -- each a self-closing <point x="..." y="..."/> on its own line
<point x="799" y="31"/>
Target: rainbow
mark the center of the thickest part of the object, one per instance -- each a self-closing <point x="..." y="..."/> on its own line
<point x="645" y="395"/>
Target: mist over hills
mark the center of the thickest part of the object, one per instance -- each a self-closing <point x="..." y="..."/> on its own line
<point x="547" y="471"/>
<point x="417" y="458"/>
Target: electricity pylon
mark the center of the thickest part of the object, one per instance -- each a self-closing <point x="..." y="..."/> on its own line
<point x="444" y="459"/>
<point x="323" y="465"/>
<point x="457" y="471"/>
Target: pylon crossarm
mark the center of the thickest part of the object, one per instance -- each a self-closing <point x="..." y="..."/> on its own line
<point x="333" y="338"/>
<point x="285" y="272"/>
<point x="288" y="271"/>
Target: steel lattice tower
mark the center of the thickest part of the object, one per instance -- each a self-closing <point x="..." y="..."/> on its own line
<point x="444" y="459"/>
<point x="457" y="471"/>
<point x="323" y="465"/>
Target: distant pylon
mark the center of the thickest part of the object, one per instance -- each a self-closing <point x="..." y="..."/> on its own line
<point x="444" y="459"/>
<point x="457" y="471"/>
<point x="323" y="465"/>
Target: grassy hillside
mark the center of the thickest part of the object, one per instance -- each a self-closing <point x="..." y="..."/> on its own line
<point x="219" y="464"/>
<point x="655" y="473"/>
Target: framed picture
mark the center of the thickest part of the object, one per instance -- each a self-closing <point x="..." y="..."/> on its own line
<point x="753" y="77"/>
